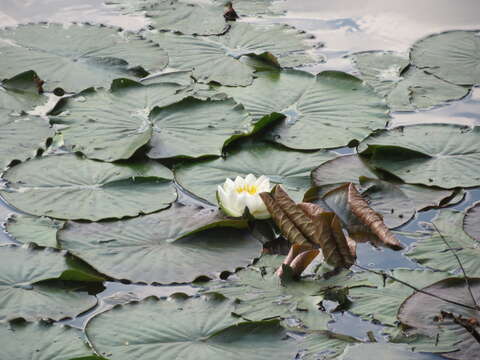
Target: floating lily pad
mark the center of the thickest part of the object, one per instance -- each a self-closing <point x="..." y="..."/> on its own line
<point x="166" y="247"/>
<point x="263" y="295"/>
<point x="112" y="125"/>
<point x="69" y="187"/>
<point x="281" y="166"/>
<point x="325" y="345"/>
<point x="21" y="295"/>
<point x="31" y="229"/>
<point x="471" y="221"/>
<point x="41" y="340"/>
<point x="324" y="111"/>
<point x="255" y="7"/>
<point x="452" y="56"/>
<point x="386" y="351"/>
<point x="441" y="155"/>
<point x="397" y="202"/>
<point x="217" y="58"/>
<point x="432" y="315"/>
<point x="431" y="250"/>
<point x="186" y="328"/>
<point x="405" y="88"/>
<point x="76" y="57"/>
<point x="381" y="300"/>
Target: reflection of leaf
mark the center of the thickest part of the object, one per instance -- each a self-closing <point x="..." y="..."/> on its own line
<point x="431" y="315"/>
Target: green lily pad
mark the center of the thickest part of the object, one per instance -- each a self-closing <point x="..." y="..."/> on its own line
<point x="217" y="58"/>
<point x="380" y="300"/>
<point x="397" y="202"/>
<point x="186" y="328"/>
<point x="441" y="155"/>
<point x="263" y="295"/>
<point x="325" y="345"/>
<point x="405" y="88"/>
<point x="21" y="294"/>
<point x="76" y="57"/>
<point x="432" y="315"/>
<point x="430" y="250"/>
<point x="324" y="111"/>
<point x="386" y="351"/>
<point x="69" y="187"/>
<point x="471" y="223"/>
<point x="41" y="340"/>
<point x="452" y="56"/>
<point x="31" y="229"/>
<point x="280" y="165"/>
<point x="165" y="247"/>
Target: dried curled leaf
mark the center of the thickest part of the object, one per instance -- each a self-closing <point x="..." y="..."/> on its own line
<point x="370" y="218"/>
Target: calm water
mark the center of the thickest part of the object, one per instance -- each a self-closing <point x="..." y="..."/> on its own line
<point x="343" y="27"/>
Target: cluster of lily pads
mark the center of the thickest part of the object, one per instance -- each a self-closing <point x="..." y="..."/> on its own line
<point x="103" y="175"/>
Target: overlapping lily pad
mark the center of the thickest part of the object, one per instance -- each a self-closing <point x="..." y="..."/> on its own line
<point x="324" y="111"/>
<point x="281" y="166"/>
<point x="71" y="187"/>
<point x="471" y="221"/>
<point x="186" y="328"/>
<point x="40" y="340"/>
<point x="263" y="295"/>
<point x="325" y="345"/>
<point x="405" y="88"/>
<point x="21" y="294"/>
<point x="397" y="202"/>
<point x="386" y="351"/>
<point x="452" y="56"/>
<point x="217" y="58"/>
<point x="432" y="315"/>
<point x="432" y="251"/>
<point x="166" y="247"/>
<point x="112" y="125"/>
<point x="441" y="155"/>
<point x="31" y="229"/>
<point x="76" y="57"/>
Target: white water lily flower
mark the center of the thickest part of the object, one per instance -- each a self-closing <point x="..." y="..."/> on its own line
<point x="234" y="196"/>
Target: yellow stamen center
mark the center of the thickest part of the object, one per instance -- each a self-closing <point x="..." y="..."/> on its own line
<point x="251" y="189"/>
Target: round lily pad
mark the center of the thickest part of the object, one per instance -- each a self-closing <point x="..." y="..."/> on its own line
<point x="71" y="187"/>
<point x="432" y="315"/>
<point x="186" y="328"/>
<point x="32" y="229"/>
<point x="41" y="340"/>
<point x="471" y="221"/>
<point x="21" y="294"/>
<point x="76" y="57"/>
<point x="217" y="58"/>
<point x="165" y="247"/>
<point x="443" y="155"/>
<point x="324" y="111"/>
<point x="280" y="165"/>
<point x="452" y="56"/>
<point x="405" y="88"/>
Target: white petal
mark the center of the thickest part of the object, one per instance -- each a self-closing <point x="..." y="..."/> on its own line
<point x="257" y="208"/>
<point x="222" y="196"/>
<point x="264" y="185"/>
<point x="239" y="182"/>
<point x="260" y="180"/>
<point x="229" y="185"/>
<point x="250" y="179"/>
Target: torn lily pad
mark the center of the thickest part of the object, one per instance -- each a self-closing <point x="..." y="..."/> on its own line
<point x="42" y="340"/>
<point x="177" y="245"/>
<point x="328" y="110"/>
<point x="405" y="87"/>
<point x="201" y="328"/>
<point x="71" y="187"/>
<point x="442" y="155"/>
<point x="24" y="292"/>
<point x="430" y="249"/>
<point x="217" y="58"/>
<point x="280" y="165"/>
<point x="397" y="202"/>
<point x="31" y="229"/>
<point x="452" y="56"/>
<point x="76" y="57"/>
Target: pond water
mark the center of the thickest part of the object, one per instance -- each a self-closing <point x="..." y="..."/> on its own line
<point x="342" y="27"/>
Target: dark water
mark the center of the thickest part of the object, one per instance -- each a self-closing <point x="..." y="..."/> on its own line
<point x="343" y="26"/>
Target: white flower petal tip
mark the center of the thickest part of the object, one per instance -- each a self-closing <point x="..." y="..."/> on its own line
<point x="234" y="196"/>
